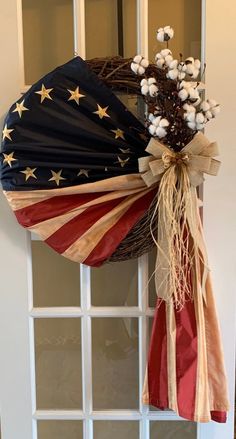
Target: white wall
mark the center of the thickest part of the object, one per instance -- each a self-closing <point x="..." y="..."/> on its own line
<point x="220" y="192"/>
<point x="13" y="262"/>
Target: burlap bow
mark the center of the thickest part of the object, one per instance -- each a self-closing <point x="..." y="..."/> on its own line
<point x="181" y="249"/>
<point x="196" y="156"/>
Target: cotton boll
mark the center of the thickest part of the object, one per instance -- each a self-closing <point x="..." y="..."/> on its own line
<point x="197" y="64"/>
<point x="153" y="90"/>
<point x="182" y="67"/>
<point x="212" y="103"/>
<point x="160" y="63"/>
<point x="160" y="132"/>
<point x="152" y="130"/>
<point x="151" y="117"/>
<point x="172" y="74"/>
<point x="205" y="106"/>
<point x="139" y="65"/>
<point x="200" y="126"/>
<point x="181" y="75"/>
<point x="189" y="69"/>
<point x="208" y="115"/>
<point x="189" y="108"/>
<point x="144" y="89"/>
<point x="141" y="70"/>
<point x="215" y="110"/>
<point x="160" y="35"/>
<point x="151" y="81"/>
<point x="137" y="59"/>
<point x="190" y="117"/>
<point x="170" y="31"/>
<point x="165" y="34"/>
<point x="200" y="118"/>
<point x="195" y="73"/>
<point x="168" y="60"/>
<point x="189" y="60"/>
<point x="197" y="102"/>
<point x="173" y="64"/>
<point x="164" y="123"/>
<point x="144" y="63"/>
<point x="192" y="125"/>
<point x="156" y="121"/>
<point x="165" y="52"/>
<point x="193" y="93"/>
<point x="134" y="67"/>
<point x="183" y="94"/>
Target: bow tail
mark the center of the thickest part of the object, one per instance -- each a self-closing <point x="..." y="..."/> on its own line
<point x="179" y="241"/>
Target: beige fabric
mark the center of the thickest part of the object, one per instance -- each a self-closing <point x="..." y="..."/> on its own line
<point x="21" y="199"/>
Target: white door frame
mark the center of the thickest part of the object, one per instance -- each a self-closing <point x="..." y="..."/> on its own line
<point x="17" y="394"/>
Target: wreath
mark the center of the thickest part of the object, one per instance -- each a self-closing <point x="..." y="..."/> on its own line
<point x="98" y="184"/>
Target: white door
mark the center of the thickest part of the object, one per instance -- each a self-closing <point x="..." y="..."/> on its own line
<point x="73" y="340"/>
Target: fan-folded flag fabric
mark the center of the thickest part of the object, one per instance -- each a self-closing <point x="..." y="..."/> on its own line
<point x="70" y="172"/>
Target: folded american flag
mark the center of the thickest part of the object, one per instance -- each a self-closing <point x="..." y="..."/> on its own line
<point x="70" y="164"/>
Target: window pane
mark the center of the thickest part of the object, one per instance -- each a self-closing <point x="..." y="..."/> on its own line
<point x="107" y="32"/>
<point x="60" y="430"/>
<point x="116" y="430"/>
<point x="185" y="17"/>
<point x="58" y="363"/>
<point x="47" y="36"/>
<point x="56" y="280"/>
<point x="115" y="363"/>
<point x="115" y="284"/>
<point x="173" y="430"/>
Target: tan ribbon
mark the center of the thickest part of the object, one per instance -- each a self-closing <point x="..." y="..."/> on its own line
<point x="179" y="241"/>
<point x="197" y="156"/>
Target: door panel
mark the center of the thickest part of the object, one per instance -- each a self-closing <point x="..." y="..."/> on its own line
<point x="115" y="363"/>
<point x="58" y="363"/>
<point x="60" y="430"/>
<point x="56" y="280"/>
<point x="109" y="288"/>
<point x="116" y="429"/>
<point x="173" y="430"/>
<point x="48" y="36"/>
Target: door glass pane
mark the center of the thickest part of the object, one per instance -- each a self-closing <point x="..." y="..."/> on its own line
<point x="60" y="429"/>
<point x="115" y="363"/>
<point x="115" y="284"/>
<point x="173" y="430"/>
<point x="58" y="363"/>
<point x="109" y="33"/>
<point x="185" y="17"/>
<point x="47" y="36"/>
<point x="116" y="430"/>
<point x="56" y="280"/>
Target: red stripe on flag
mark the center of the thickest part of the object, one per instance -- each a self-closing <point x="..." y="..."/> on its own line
<point x="52" y="207"/>
<point x="64" y="237"/>
<point x="157" y="361"/>
<point x="218" y="416"/>
<point x="186" y="359"/>
<point x="117" y="233"/>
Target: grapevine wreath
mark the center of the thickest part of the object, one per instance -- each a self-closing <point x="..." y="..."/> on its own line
<point x="98" y="184"/>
